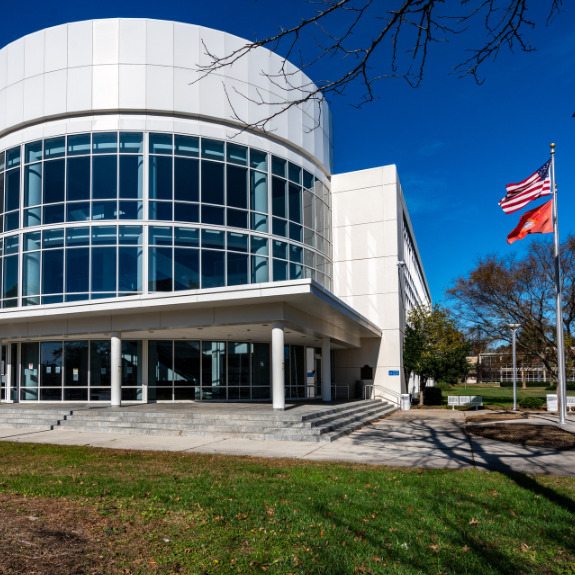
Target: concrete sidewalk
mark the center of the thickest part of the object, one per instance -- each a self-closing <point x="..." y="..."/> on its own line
<point x="417" y="438"/>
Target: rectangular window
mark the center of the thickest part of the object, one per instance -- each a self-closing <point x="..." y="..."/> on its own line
<point x="78" y="182"/>
<point x="79" y="144"/>
<point x="130" y="270"/>
<point x="103" y="270"/>
<point x="76" y="363"/>
<point x="160" y="269"/>
<point x="33" y="185"/>
<point x="186" y="180"/>
<point x="295" y="211"/>
<point x="187" y="146"/>
<point x="104" y="177"/>
<point x="214" y="369"/>
<point x="131" y="176"/>
<point x="78" y="270"/>
<point x="105" y="143"/>
<point x="237" y="187"/>
<point x="212" y="183"/>
<point x="186" y="269"/>
<point x="213" y="269"/>
<point x="279" y="202"/>
<point x="161" y="144"/>
<point x="238" y="269"/>
<point x="53" y="271"/>
<point x="100" y="363"/>
<point x="12" y="189"/>
<point x="160" y="178"/>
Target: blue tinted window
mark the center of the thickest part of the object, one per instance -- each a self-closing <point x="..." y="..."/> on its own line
<point x="53" y="271"/>
<point x="237" y="187"/>
<point x="55" y="147"/>
<point x="130" y="235"/>
<point x="78" y="212"/>
<point x="258" y="160"/>
<point x="105" y="143"/>
<point x="280" y="249"/>
<point x="294" y="173"/>
<point x="260" y="270"/>
<point x="161" y="144"/>
<point x="295" y="197"/>
<point x="32" y="217"/>
<point x="307" y="180"/>
<point x="78" y="237"/>
<point x="160" y="235"/>
<point x="213" y="239"/>
<point x="13" y="157"/>
<point x="160" y="211"/>
<point x="295" y="232"/>
<point x="161" y="178"/>
<point x="295" y="272"/>
<point x="259" y="246"/>
<point x="238" y="242"/>
<point x="186" y="212"/>
<point x="11" y="245"/>
<point x="78" y="270"/>
<point x="53" y="214"/>
<point x="238" y="269"/>
<point x="130" y="269"/>
<point x="212" y="149"/>
<point x="296" y="254"/>
<point x="259" y="223"/>
<point x="31" y="274"/>
<point x="278" y="167"/>
<point x="279" y="227"/>
<point x="102" y="235"/>
<point x="103" y="269"/>
<point x="130" y="210"/>
<point x="32" y="241"/>
<point x="186" y="237"/>
<point x="160" y="269"/>
<point x="186" y="269"/>
<point x="13" y="189"/>
<point x="33" y="185"/>
<point x="186" y="180"/>
<point x="213" y="215"/>
<point x="33" y="152"/>
<point x="237" y="154"/>
<point x="280" y="270"/>
<point x="79" y="144"/>
<point x="213" y="269"/>
<point x="78" y="183"/>
<point x="131" y="176"/>
<point x="279" y="197"/>
<point x="212" y="183"/>
<point x="104" y="177"/>
<point x="187" y="146"/>
<point x="53" y="183"/>
<point x="104" y="210"/>
<point x="11" y="221"/>
<point x="52" y="239"/>
<point x="131" y="142"/>
<point x="238" y="218"/>
<point x="259" y="192"/>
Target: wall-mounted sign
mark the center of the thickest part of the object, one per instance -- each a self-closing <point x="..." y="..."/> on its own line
<point x="394" y="372"/>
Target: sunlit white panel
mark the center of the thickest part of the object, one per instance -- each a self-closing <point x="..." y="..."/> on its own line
<point x="3" y="69"/>
<point x="79" y="89"/>
<point x="132" y="86"/>
<point x="186" y="92"/>
<point x="56" y="42"/>
<point x="186" y="45"/>
<point x="212" y="97"/>
<point x="33" y="54"/>
<point x="259" y="67"/>
<point x="33" y="97"/>
<point x="3" y="99"/>
<point x="236" y="100"/>
<point x="159" y="88"/>
<point x="105" y="87"/>
<point x="55" y="84"/>
<point x="160" y="43"/>
<point x="15" y="63"/>
<point x="239" y="68"/>
<point x="80" y="44"/>
<point x="294" y="124"/>
<point x="105" y="41"/>
<point x="132" y="42"/>
<point x="15" y="103"/>
<point x="211" y="42"/>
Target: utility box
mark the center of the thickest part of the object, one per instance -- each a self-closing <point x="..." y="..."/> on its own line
<point x="405" y="402"/>
<point x="552" y="404"/>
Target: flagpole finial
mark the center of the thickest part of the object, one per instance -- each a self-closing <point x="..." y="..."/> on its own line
<point x="552" y="148"/>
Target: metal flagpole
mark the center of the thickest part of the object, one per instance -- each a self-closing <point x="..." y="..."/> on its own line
<point x="561" y="387"/>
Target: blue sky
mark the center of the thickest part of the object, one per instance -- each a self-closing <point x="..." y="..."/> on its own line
<point x="456" y="144"/>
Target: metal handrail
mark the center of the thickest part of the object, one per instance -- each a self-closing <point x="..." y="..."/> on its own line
<point x="394" y="396"/>
<point x="336" y="387"/>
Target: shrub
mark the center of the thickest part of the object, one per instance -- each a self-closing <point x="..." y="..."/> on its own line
<point x="532" y="403"/>
<point x="432" y="396"/>
<point x="570" y="386"/>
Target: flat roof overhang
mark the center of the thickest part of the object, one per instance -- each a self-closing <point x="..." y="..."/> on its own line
<point x="240" y="313"/>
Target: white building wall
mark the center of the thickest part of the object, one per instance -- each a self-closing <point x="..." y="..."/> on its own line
<point x="369" y="222"/>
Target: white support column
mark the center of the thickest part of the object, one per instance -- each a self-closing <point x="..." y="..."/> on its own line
<point x="326" y="369"/>
<point x="278" y="367"/>
<point x="8" y="372"/>
<point x="116" y="369"/>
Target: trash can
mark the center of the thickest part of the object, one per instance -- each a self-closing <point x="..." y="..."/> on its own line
<point x="405" y="403"/>
<point x="552" y="404"/>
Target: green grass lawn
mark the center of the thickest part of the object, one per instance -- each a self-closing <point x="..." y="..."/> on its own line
<point x="152" y="512"/>
<point x="500" y="397"/>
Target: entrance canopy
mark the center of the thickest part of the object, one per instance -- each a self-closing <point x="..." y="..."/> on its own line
<point x="245" y="313"/>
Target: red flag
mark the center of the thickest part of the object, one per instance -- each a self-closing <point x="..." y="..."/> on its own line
<point x="536" y="221"/>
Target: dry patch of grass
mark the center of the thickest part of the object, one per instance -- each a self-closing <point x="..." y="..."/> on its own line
<point x="525" y="434"/>
<point x="505" y="416"/>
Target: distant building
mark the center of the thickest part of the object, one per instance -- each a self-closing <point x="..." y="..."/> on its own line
<point x="151" y="251"/>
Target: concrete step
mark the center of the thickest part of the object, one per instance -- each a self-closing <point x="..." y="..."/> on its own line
<point x="325" y="425"/>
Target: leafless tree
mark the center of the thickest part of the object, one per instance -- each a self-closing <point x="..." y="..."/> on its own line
<point x="371" y="40"/>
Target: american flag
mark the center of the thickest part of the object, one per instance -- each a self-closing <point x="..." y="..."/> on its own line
<point x="535" y="186"/>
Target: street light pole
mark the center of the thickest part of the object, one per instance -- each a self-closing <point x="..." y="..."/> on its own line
<point x="514" y="327"/>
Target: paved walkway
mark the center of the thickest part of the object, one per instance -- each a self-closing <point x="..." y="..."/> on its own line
<point x="416" y="438"/>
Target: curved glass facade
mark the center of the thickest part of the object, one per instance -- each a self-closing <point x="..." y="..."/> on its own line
<point x="111" y="214"/>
